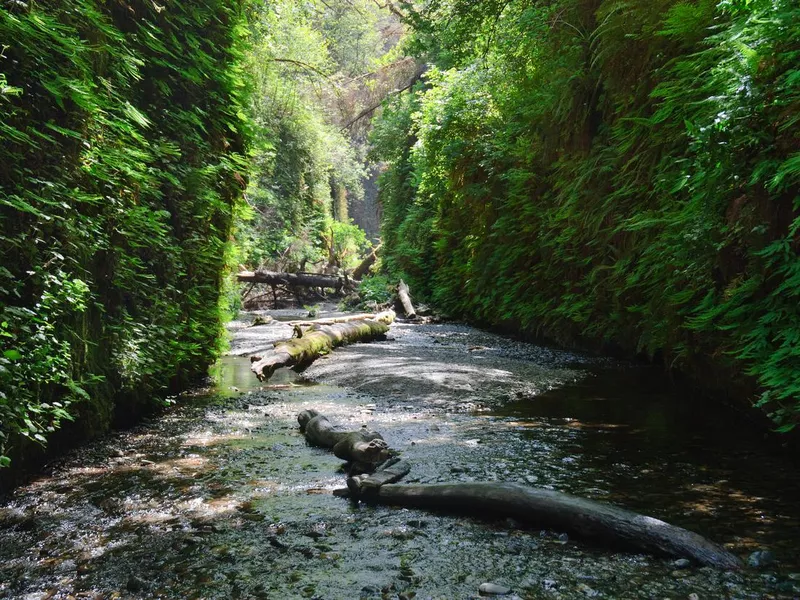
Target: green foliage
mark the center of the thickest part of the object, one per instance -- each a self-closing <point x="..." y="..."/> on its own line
<point x="347" y="243"/>
<point x="377" y="289"/>
<point x="121" y="125"/>
<point x="623" y="172"/>
<point x="301" y="154"/>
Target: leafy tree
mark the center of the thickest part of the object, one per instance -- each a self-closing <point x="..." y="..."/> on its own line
<point x="122" y="131"/>
<point x="608" y="172"/>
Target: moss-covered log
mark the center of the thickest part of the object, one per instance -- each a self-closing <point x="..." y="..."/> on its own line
<point x="582" y="518"/>
<point x="316" y="341"/>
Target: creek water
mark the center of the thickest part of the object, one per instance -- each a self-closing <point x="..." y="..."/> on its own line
<point x="220" y="496"/>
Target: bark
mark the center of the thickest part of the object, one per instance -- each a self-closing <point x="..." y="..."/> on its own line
<point x="405" y="300"/>
<point x="577" y="516"/>
<point x="297" y="279"/>
<point x="363" y="268"/>
<point x="315" y="341"/>
<point x="364" y="447"/>
<point x="368" y="486"/>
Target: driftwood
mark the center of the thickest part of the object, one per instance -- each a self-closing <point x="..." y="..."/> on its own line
<point x="363" y="447"/>
<point x="316" y="341"/>
<point x="587" y="519"/>
<point x="367" y="486"/>
<point x="405" y="300"/>
<point x="382" y="317"/>
<point x="363" y="268"/>
<point x="295" y="280"/>
<point x="580" y="517"/>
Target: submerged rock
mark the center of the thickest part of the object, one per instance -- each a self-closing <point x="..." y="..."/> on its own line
<point x="760" y="559"/>
<point x="493" y="589"/>
<point x="682" y="563"/>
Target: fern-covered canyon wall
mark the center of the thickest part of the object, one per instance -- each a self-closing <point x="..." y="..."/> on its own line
<point x="122" y="129"/>
<point x="604" y="172"/>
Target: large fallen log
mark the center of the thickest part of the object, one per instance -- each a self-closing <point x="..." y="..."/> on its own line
<point x="587" y="519"/>
<point x="404" y="295"/>
<point x="297" y="279"/>
<point x="316" y="341"/>
<point x="363" y="447"/>
<point x="383" y="317"/>
<point x="582" y="518"/>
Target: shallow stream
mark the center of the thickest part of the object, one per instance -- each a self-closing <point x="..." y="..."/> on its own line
<point x="220" y="497"/>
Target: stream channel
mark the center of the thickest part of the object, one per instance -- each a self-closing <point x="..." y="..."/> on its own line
<point x="220" y="497"/>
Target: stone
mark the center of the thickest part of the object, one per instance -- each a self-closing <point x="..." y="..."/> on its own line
<point x="493" y="589"/>
<point x="682" y="563"/>
<point x="760" y="559"/>
<point x="135" y="584"/>
<point x="549" y="584"/>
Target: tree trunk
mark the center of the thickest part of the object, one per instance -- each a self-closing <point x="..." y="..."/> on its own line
<point x="364" y="447"/>
<point x="297" y="279"/>
<point x="405" y="300"/>
<point x="363" y="268"/>
<point x="580" y="517"/>
<point x="316" y="341"/>
<point x="382" y="317"/>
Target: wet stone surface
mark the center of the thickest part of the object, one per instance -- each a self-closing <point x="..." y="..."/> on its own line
<point x="221" y="497"/>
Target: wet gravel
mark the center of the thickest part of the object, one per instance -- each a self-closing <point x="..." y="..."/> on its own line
<point x="221" y="497"/>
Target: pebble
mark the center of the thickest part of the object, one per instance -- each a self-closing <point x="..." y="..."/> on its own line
<point x="682" y="563"/>
<point x="493" y="589"/>
<point x="760" y="559"/>
<point x="549" y="584"/>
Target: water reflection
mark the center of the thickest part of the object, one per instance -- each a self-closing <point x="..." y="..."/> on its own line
<point x="628" y="439"/>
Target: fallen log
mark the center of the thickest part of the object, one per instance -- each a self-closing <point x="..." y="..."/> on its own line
<point x="367" y="486"/>
<point x="316" y="341"/>
<point x="386" y="316"/>
<point x="297" y="279"/>
<point x="363" y="267"/>
<point x="403" y="294"/>
<point x="363" y="447"/>
<point x="577" y="516"/>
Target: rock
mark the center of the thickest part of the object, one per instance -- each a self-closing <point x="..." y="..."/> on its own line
<point x="135" y="584"/>
<point x="549" y="584"/>
<point x="760" y="559"/>
<point x="682" y="563"/>
<point x="10" y="517"/>
<point x="493" y="589"/>
<point x="373" y="590"/>
<point x="693" y="596"/>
